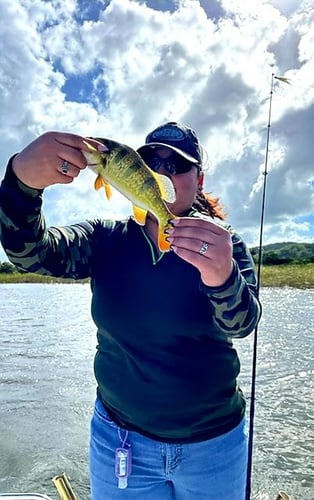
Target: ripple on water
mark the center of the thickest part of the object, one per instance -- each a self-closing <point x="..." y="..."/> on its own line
<point x="46" y="372"/>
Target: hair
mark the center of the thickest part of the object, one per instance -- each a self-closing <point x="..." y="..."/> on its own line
<point x="209" y="205"/>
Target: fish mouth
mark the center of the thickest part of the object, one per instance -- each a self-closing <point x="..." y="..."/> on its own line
<point x="93" y="165"/>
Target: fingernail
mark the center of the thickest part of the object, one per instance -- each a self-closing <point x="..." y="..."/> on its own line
<point x="170" y="230"/>
<point x="169" y="239"/>
<point x="101" y="148"/>
<point x="174" y="222"/>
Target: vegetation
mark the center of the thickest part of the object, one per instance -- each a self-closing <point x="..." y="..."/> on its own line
<point x="286" y="253"/>
<point x="293" y="275"/>
<point x="11" y="274"/>
<point x="17" y="277"/>
<point x="283" y="264"/>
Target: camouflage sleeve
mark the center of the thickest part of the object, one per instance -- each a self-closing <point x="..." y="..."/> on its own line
<point x="236" y="308"/>
<point x="30" y="245"/>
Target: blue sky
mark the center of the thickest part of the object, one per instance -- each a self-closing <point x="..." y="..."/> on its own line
<point x="119" y="68"/>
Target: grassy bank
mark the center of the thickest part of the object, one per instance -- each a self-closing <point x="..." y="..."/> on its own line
<point x="34" y="278"/>
<point x="292" y="275"/>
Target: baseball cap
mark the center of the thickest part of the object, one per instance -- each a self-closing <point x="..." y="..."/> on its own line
<point x="181" y="139"/>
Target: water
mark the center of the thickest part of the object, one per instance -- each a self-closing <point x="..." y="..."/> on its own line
<point x="47" y="389"/>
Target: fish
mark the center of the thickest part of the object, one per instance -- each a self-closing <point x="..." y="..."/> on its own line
<point x="121" y="167"/>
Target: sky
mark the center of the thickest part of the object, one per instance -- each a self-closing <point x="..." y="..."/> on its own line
<point x="120" y="68"/>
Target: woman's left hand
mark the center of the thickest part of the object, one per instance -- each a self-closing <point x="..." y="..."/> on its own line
<point x="205" y="245"/>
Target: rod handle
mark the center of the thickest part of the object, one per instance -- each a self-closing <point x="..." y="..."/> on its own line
<point x="64" y="487"/>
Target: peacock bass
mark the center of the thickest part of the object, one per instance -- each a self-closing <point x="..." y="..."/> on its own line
<point x="123" y="168"/>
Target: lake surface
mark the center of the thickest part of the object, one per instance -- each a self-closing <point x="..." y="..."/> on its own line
<point x="47" y="389"/>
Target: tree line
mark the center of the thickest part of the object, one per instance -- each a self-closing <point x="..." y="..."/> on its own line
<point x="272" y="254"/>
<point x="285" y="253"/>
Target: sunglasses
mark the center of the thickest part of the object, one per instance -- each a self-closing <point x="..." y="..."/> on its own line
<point x="174" y="164"/>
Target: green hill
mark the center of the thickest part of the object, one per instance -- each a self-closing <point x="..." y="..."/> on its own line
<point x="285" y="253"/>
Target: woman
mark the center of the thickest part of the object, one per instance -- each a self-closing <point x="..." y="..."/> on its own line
<point x="169" y="416"/>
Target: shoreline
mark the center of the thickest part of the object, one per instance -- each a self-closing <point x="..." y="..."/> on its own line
<point x="285" y="275"/>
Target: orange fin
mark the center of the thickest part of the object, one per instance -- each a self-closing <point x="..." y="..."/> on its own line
<point x="101" y="183"/>
<point x="163" y="244"/>
<point x="139" y="215"/>
<point x="108" y="190"/>
<point x="166" y="187"/>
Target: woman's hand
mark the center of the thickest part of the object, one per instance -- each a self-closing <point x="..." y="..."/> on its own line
<point x="40" y="164"/>
<point x="205" y="245"/>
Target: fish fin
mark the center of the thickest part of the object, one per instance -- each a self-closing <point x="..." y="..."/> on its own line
<point x="163" y="244"/>
<point x="166" y="187"/>
<point x="139" y="215"/>
<point x="101" y="183"/>
<point x="108" y="190"/>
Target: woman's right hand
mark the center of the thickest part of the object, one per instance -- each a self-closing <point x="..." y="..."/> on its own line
<point x="40" y="164"/>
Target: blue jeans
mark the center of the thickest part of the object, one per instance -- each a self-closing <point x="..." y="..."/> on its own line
<point x="209" y="470"/>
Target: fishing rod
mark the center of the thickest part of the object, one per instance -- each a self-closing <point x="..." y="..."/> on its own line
<point x="259" y="268"/>
<point x="281" y="494"/>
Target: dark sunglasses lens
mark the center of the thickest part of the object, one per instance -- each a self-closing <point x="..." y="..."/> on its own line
<point x="183" y="166"/>
<point x="147" y="155"/>
<point x="174" y="165"/>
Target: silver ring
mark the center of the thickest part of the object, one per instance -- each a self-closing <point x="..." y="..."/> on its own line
<point x="204" y="248"/>
<point x="64" y="167"/>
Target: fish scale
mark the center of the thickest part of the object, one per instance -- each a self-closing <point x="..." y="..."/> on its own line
<point x="123" y="168"/>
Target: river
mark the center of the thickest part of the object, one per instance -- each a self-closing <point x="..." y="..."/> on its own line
<point x="48" y="389"/>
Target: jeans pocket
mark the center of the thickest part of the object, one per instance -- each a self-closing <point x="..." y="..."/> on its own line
<point x="101" y="413"/>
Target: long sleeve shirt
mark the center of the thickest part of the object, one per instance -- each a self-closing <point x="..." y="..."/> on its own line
<point x="165" y="363"/>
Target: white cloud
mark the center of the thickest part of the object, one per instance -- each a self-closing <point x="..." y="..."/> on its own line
<point x="132" y="66"/>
